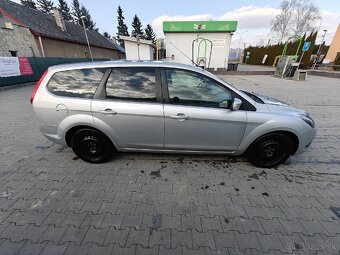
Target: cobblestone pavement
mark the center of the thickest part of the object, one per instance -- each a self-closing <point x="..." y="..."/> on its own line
<point x="53" y="203"/>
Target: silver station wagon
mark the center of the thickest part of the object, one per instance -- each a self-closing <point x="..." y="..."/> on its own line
<point x="100" y="108"/>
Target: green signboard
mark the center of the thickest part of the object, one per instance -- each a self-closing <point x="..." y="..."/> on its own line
<point x="199" y="26"/>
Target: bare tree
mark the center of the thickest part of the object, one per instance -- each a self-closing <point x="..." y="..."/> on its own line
<point x="305" y="17"/>
<point x="295" y="17"/>
<point x="281" y="23"/>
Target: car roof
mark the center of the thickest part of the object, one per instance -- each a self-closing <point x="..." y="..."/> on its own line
<point x="122" y="63"/>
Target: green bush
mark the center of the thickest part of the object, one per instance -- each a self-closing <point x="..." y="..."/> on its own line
<point x="257" y="53"/>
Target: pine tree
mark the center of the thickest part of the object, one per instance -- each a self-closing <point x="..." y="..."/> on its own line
<point x="150" y="34"/>
<point x="45" y="6"/>
<point x="87" y="19"/>
<point x="107" y="35"/>
<point x="137" y="29"/>
<point x="65" y="10"/>
<point x="122" y="27"/>
<point x="76" y="12"/>
<point x="29" y="3"/>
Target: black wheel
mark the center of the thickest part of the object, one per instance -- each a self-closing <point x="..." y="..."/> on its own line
<point x="270" y="150"/>
<point x="91" y="145"/>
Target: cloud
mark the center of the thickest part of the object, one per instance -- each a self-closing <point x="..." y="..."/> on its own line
<point x="253" y="23"/>
<point x="251" y="17"/>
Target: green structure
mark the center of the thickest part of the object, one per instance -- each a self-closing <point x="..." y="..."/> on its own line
<point x="199" y="26"/>
<point x="286" y="61"/>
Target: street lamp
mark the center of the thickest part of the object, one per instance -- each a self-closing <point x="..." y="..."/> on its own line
<point x="318" y="52"/>
<point x="239" y="44"/>
<point x="87" y="39"/>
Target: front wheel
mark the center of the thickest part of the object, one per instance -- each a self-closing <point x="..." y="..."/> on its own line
<point x="91" y="145"/>
<point x="270" y="150"/>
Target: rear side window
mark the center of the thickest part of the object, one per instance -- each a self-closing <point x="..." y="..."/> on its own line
<point x="132" y="83"/>
<point x="76" y="83"/>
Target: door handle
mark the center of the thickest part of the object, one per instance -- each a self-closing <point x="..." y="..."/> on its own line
<point x="180" y="116"/>
<point x="108" y="111"/>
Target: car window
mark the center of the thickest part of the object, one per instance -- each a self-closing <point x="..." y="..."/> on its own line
<point x="76" y="83"/>
<point x="189" y="88"/>
<point x="132" y="83"/>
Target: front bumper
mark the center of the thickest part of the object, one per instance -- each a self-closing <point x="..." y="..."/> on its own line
<point x="305" y="140"/>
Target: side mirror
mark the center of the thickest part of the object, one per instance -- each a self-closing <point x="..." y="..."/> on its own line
<point x="236" y="104"/>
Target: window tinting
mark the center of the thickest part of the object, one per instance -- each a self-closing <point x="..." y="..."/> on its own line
<point x="76" y="83"/>
<point x="132" y="83"/>
<point x="189" y="88"/>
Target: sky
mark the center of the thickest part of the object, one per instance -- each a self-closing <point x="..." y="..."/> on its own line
<point x="253" y="17"/>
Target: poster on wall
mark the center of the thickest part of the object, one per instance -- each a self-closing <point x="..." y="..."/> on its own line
<point x="25" y="67"/>
<point x="9" y="66"/>
<point x="14" y="66"/>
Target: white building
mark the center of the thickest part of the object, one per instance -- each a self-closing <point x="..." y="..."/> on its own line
<point x="137" y="49"/>
<point x="204" y="42"/>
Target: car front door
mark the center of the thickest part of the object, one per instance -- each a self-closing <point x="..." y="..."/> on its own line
<point x="131" y="107"/>
<point x="198" y="113"/>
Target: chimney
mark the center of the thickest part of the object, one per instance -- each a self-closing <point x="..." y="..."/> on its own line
<point x="59" y="18"/>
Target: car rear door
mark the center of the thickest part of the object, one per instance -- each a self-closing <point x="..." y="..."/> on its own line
<point x="130" y="104"/>
<point x="194" y="118"/>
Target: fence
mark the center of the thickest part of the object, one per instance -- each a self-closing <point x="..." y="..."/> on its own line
<point x="39" y="65"/>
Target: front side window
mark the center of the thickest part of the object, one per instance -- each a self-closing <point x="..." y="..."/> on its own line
<point x="189" y="88"/>
<point x="132" y="83"/>
<point x="76" y="83"/>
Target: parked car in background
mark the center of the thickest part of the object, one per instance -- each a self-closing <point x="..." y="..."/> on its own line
<point x="99" y="108"/>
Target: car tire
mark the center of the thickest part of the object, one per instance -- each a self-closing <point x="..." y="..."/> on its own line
<point x="91" y="145"/>
<point x="270" y="150"/>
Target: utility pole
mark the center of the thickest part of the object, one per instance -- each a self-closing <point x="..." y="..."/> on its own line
<point x="87" y="39"/>
<point x="317" y="54"/>
<point x="138" y="43"/>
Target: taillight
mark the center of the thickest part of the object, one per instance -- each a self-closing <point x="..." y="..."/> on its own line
<point x="37" y="86"/>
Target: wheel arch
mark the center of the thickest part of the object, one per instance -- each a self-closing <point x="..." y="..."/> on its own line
<point x="290" y="134"/>
<point x="75" y="122"/>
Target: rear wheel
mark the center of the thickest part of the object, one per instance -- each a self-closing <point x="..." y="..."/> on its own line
<point x="91" y="145"/>
<point x="270" y="150"/>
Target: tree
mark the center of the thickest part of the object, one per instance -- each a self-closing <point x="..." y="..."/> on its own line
<point x="45" y="6"/>
<point x="65" y="10"/>
<point x="76" y="12"/>
<point x="107" y="35"/>
<point x="150" y="34"/>
<point x="29" y="3"/>
<point x="137" y="29"/>
<point x="122" y="27"/>
<point x="87" y="19"/>
<point x="295" y="17"/>
<point x="305" y="16"/>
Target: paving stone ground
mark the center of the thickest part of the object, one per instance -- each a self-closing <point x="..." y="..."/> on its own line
<point x="53" y="203"/>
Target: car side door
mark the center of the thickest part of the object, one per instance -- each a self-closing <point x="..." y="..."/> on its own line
<point x="198" y="115"/>
<point x="130" y="103"/>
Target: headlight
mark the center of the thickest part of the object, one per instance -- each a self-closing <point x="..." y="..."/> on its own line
<point x="308" y="120"/>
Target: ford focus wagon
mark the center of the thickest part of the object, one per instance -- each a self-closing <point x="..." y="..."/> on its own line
<point x="100" y="108"/>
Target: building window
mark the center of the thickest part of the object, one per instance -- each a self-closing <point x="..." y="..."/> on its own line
<point x="14" y="53"/>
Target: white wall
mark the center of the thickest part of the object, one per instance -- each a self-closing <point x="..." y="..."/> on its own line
<point x="183" y="41"/>
<point x="131" y="51"/>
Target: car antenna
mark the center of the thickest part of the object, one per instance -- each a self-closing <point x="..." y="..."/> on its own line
<point x="184" y="55"/>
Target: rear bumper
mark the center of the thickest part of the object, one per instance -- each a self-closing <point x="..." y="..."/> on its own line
<point x="51" y="133"/>
<point x="305" y="140"/>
